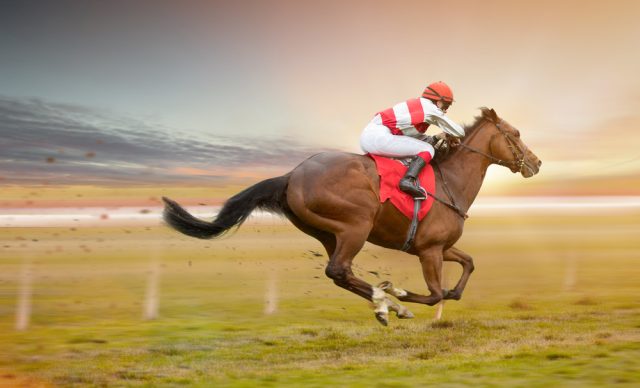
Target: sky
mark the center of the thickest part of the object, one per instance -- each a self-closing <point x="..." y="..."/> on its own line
<point x="95" y="89"/>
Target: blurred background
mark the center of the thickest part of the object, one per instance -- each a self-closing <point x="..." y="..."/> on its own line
<point x="207" y="92"/>
<point x="107" y="106"/>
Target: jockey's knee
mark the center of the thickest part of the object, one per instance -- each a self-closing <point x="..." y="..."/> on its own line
<point x="426" y="155"/>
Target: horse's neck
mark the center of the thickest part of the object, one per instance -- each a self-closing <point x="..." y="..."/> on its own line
<point x="464" y="173"/>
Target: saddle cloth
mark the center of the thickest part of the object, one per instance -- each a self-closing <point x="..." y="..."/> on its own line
<point x="390" y="172"/>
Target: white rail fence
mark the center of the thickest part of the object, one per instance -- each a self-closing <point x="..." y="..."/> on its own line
<point x="488" y="206"/>
<point x="93" y="216"/>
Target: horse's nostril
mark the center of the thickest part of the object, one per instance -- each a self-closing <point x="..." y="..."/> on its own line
<point x="539" y="163"/>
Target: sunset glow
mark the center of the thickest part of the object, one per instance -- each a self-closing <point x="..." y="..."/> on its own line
<point x="291" y="79"/>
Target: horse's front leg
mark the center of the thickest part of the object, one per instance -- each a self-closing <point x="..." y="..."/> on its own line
<point x="455" y="254"/>
<point x="431" y="261"/>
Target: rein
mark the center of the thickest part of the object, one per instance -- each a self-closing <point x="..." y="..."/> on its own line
<point x="451" y="205"/>
<point x="517" y="162"/>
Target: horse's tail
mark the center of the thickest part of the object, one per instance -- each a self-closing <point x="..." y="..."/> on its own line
<point x="269" y="195"/>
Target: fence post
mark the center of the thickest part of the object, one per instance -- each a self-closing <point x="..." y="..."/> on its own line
<point x="271" y="293"/>
<point x="23" y="308"/>
<point x="152" y="301"/>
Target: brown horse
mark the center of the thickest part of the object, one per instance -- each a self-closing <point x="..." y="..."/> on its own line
<point x="334" y="197"/>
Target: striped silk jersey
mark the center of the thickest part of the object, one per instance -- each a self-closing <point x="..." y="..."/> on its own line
<point x="412" y="118"/>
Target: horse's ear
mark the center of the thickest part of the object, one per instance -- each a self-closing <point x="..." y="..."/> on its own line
<point x="494" y="116"/>
<point x="489" y="114"/>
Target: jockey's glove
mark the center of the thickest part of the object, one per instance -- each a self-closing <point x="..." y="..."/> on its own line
<point x="439" y="143"/>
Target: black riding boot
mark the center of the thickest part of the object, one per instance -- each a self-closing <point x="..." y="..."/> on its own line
<point x="409" y="182"/>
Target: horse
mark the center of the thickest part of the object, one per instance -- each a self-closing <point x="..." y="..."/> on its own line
<point x="334" y="197"/>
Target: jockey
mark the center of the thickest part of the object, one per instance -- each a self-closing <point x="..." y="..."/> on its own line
<point x="399" y="132"/>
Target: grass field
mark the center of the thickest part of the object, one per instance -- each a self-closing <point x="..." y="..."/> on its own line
<point x="553" y="302"/>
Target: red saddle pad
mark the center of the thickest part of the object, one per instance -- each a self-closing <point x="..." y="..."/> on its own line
<point x="390" y="172"/>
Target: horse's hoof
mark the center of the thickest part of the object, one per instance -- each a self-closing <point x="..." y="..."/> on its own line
<point x="450" y="294"/>
<point x="405" y="314"/>
<point x="383" y="318"/>
<point x="454" y="296"/>
<point x="385" y="286"/>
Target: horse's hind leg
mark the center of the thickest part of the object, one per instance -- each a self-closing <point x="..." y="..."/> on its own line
<point x="327" y="239"/>
<point x="343" y="276"/>
<point x="339" y="269"/>
<point x="455" y="254"/>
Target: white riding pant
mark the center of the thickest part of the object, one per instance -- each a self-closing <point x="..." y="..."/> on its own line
<point x="377" y="139"/>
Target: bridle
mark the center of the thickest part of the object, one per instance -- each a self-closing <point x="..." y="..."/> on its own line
<point x="518" y="163"/>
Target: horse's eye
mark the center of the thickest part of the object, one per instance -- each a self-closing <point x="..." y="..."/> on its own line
<point x="517" y="133"/>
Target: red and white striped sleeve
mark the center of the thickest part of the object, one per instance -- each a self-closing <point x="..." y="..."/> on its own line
<point x="433" y="115"/>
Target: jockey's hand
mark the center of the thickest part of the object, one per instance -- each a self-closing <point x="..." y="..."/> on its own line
<point x="443" y="142"/>
<point x="440" y="144"/>
<point x="452" y="141"/>
<point x="431" y="139"/>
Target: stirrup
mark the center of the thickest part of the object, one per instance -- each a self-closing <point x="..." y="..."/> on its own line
<point x="422" y="196"/>
<point x="414" y="190"/>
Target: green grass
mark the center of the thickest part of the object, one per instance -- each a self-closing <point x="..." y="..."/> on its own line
<point x="551" y="304"/>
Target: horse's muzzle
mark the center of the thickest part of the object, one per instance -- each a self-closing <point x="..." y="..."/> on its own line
<point x="531" y="167"/>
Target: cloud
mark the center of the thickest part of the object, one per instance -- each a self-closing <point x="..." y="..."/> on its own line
<point x="61" y="143"/>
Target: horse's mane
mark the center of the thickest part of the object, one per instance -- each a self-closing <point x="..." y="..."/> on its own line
<point x="486" y="114"/>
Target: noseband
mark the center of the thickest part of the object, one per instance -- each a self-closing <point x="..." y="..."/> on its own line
<point x="518" y="162"/>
